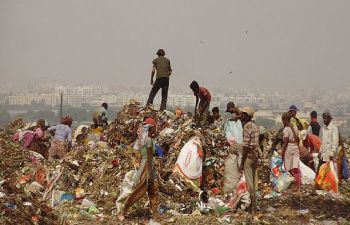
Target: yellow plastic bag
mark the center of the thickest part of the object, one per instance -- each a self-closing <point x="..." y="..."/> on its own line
<point x="326" y="178"/>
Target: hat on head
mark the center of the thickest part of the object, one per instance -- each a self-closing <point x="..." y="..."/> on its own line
<point x="230" y="105"/>
<point x="293" y="108"/>
<point x="303" y="135"/>
<point x="250" y="112"/>
<point x="150" y="121"/>
<point x="327" y="114"/>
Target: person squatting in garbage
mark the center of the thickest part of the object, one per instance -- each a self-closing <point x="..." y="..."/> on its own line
<point x="216" y="119"/>
<point x="162" y="66"/>
<point x="312" y="143"/>
<point x="33" y="139"/>
<point x="250" y="153"/>
<point x="146" y="176"/>
<point x="100" y="117"/>
<point x="204" y="96"/>
<point x="62" y="140"/>
<point x="290" y="149"/>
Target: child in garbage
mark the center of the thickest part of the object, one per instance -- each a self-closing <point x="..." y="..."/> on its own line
<point x="146" y="176"/>
<point x="204" y="96"/>
<point x="217" y="121"/>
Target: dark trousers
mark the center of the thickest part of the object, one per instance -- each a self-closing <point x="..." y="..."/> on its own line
<point x="250" y="167"/>
<point x="160" y="83"/>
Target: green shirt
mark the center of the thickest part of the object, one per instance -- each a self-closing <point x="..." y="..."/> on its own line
<point x="149" y="144"/>
<point x="162" y="66"/>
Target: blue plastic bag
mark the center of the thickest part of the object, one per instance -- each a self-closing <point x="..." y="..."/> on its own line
<point x="345" y="168"/>
<point x="159" y="151"/>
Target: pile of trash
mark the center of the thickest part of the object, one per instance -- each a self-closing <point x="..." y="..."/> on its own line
<point x="20" y="193"/>
<point x="87" y="180"/>
<point x="84" y="185"/>
<point x="173" y="131"/>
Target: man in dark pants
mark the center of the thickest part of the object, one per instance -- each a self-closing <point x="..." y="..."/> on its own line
<point x="163" y="68"/>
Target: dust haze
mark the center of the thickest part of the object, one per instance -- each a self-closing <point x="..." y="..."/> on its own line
<point x="227" y="44"/>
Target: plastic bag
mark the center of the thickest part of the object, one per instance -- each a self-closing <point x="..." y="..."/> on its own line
<point x="345" y="168"/>
<point x="326" y="178"/>
<point x="241" y="198"/>
<point x="283" y="182"/>
<point x="281" y="179"/>
<point x="234" y="131"/>
<point x="126" y="187"/>
<point x="307" y="174"/>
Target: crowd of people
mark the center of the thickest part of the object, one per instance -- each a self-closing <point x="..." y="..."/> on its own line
<point x="297" y="140"/>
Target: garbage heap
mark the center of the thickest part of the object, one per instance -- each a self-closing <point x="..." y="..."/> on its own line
<point x="85" y="183"/>
<point x="174" y="131"/>
<point x="20" y="203"/>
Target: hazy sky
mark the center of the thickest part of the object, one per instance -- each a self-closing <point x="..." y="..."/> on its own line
<point x="270" y="43"/>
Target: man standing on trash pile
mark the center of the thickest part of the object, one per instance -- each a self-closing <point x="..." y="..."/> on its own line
<point x="162" y="66"/>
<point x="313" y="144"/>
<point x="204" y="96"/>
<point x="296" y="121"/>
<point x="250" y="152"/>
<point x="330" y="140"/>
<point x="100" y="118"/>
<point x="314" y="127"/>
<point x="146" y="176"/>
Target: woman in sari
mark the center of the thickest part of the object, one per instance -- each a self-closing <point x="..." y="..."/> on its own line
<point x="146" y="177"/>
<point x="290" y="149"/>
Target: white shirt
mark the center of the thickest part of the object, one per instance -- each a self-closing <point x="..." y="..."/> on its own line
<point x="330" y="141"/>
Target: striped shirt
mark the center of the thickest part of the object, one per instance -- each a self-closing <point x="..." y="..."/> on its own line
<point x="251" y="139"/>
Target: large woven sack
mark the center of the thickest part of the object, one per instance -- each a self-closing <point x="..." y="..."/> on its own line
<point x="190" y="159"/>
<point x="231" y="173"/>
